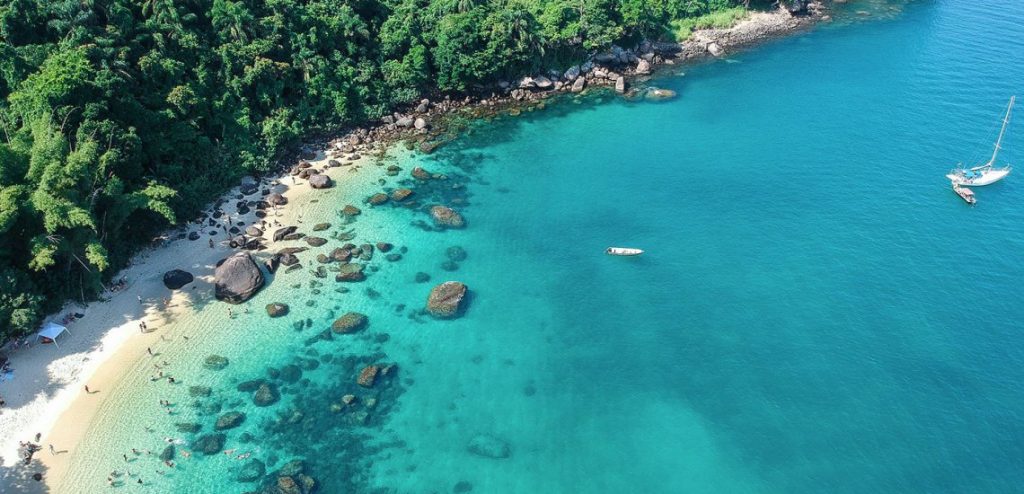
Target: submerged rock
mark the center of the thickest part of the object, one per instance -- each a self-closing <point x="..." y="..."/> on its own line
<point x="319" y="227"/>
<point x="177" y="278"/>
<point x="350" y="210"/>
<point x="350" y="272"/>
<point x="277" y="309"/>
<point x="168" y="453"/>
<point x="201" y="391"/>
<point x="237" y="278"/>
<point x="210" y="444"/>
<point x="378" y="199"/>
<point x="420" y="174"/>
<point x="266" y="395"/>
<point x="456" y="253"/>
<point x="445" y="300"/>
<point x="421" y="277"/>
<point x="229" y="420"/>
<point x="368" y="376"/>
<point x="489" y="446"/>
<point x="251" y="471"/>
<point x="447" y="217"/>
<point x="188" y="427"/>
<point x="399" y="195"/>
<point x="316" y="241"/>
<point x="658" y="94"/>
<point x="215" y="362"/>
<point x="349" y="323"/>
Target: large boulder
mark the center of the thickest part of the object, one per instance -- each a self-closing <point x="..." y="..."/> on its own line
<point x="447" y="217"/>
<point x="229" y="420"/>
<point x="320" y="181"/>
<point x="715" y="49"/>
<point x="488" y="446"/>
<point x="237" y="278"/>
<point x="276" y="199"/>
<point x="620" y="85"/>
<point x="643" y="67"/>
<point x="210" y="444"/>
<point x="445" y="300"/>
<point x="349" y="323"/>
<point x="543" y="83"/>
<point x="315" y="241"/>
<point x="176" y="278"/>
<point x="579" y="84"/>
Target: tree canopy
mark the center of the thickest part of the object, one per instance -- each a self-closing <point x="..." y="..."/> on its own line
<point x="120" y="117"/>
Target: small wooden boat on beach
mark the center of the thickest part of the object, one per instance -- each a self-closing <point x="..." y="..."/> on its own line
<point x="623" y="251"/>
<point x="966" y="194"/>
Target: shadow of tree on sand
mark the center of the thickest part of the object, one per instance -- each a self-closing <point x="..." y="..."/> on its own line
<point x="21" y="478"/>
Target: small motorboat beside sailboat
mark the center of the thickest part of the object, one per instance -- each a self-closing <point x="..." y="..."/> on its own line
<point x="623" y="251"/>
<point x="965" y="193"/>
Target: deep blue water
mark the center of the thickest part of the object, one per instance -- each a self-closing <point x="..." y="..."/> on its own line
<point x="816" y="310"/>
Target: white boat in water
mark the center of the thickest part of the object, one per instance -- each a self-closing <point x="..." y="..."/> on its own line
<point x="987" y="173"/>
<point x="622" y="251"/>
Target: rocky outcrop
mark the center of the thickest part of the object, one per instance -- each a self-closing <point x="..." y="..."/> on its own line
<point x="488" y="446"/>
<point x="445" y="300"/>
<point x="350" y="210"/>
<point x="447" y="217"/>
<point x="237" y="278"/>
<point x="351" y="322"/>
<point x="315" y="241"/>
<point x="177" y="278"/>
<point x="283" y="232"/>
<point x="276" y="199"/>
<point x="378" y="199"/>
<point x="320" y="181"/>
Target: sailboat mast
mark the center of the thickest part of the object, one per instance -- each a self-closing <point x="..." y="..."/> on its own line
<point x="1006" y="120"/>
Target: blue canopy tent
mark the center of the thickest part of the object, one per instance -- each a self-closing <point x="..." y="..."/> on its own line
<point x="51" y="331"/>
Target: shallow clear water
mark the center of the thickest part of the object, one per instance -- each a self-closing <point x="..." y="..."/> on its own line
<point x="816" y="310"/>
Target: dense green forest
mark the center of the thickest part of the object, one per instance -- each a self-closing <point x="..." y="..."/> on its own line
<point x="121" y="117"/>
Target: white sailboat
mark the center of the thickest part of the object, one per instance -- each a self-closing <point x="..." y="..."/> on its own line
<point x="987" y="173"/>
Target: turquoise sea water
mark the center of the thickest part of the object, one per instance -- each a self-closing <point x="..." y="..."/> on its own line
<point x="816" y="311"/>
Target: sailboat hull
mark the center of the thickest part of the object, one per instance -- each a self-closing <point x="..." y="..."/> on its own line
<point x="987" y="177"/>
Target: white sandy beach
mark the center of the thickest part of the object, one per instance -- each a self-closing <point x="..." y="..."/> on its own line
<point x="46" y="394"/>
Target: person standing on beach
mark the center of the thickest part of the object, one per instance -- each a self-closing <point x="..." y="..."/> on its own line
<point x="139" y="297"/>
<point x="86" y="389"/>
<point x="52" y="451"/>
<point x="149" y="351"/>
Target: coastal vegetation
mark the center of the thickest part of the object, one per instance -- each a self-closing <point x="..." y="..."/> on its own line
<point x="120" y="117"/>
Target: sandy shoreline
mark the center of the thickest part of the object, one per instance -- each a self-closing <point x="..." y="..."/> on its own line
<point x="47" y="394"/>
